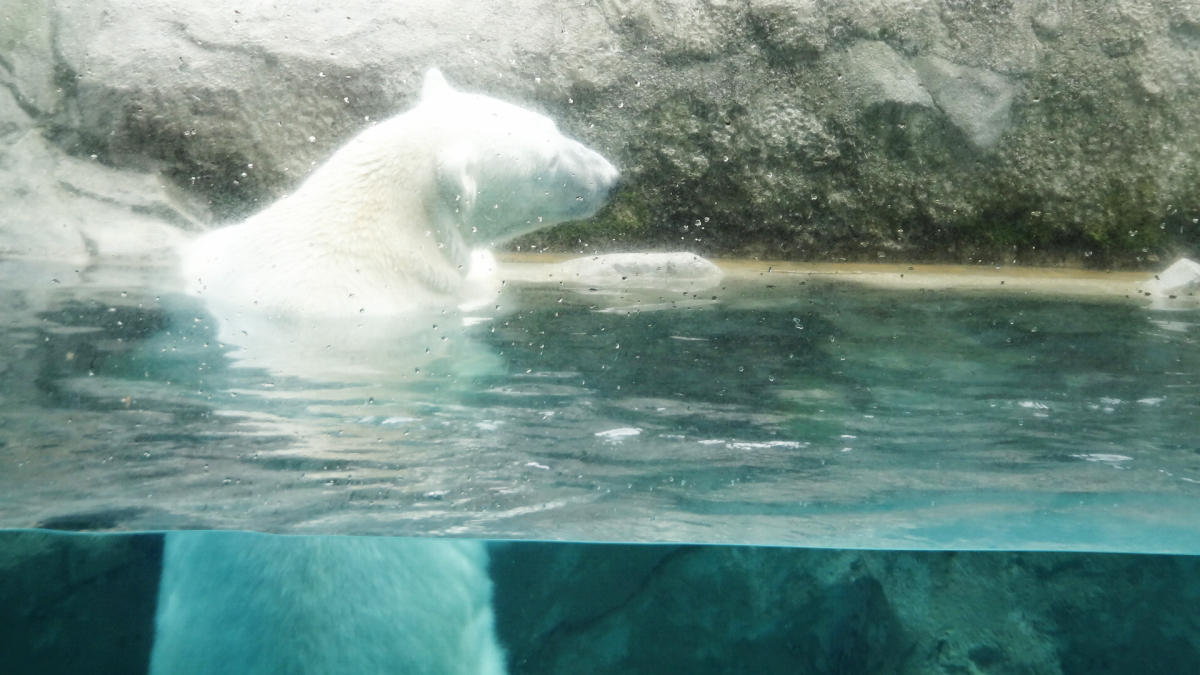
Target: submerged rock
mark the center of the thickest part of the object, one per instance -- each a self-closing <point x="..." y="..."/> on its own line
<point x="640" y="609"/>
<point x="635" y="270"/>
<point x="1183" y="276"/>
<point x="77" y="603"/>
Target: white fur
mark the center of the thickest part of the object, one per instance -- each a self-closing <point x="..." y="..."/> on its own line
<point x="235" y="602"/>
<point x="388" y="223"/>
<point x="385" y="228"/>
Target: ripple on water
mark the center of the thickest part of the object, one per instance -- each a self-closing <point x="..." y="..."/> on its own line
<point x="724" y="421"/>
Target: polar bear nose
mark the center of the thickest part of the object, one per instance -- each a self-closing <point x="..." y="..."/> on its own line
<point x="590" y="167"/>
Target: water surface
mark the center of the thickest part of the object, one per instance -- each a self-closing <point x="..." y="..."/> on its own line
<point x="772" y="409"/>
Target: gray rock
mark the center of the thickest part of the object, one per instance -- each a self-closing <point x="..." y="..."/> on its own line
<point x="1182" y="276"/>
<point x="642" y="609"/>
<point x="791" y="29"/>
<point x="243" y="101"/>
<point x="13" y="118"/>
<point x="1049" y="19"/>
<point x="69" y="209"/>
<point x="977" y="101"/>
<point x="26" y="57"/>
<point x="62" y="207"/>
<point x="77" y="604"/>
<point x="642" y="270"/>
<point x="932" y="129"/>
<point x="876" y="74"/>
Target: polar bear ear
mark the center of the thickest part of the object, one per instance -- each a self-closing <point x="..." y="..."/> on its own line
<point x="435" y="85"/>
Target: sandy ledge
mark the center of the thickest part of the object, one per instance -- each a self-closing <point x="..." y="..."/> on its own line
<point x="1051" y="281"/>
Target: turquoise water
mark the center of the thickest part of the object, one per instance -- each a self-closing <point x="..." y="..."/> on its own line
<point x="767" y="410"/>
<point x="784" y="421"/>
<point x="87" y="603"/>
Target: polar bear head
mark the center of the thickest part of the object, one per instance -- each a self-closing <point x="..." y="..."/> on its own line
<point x="387" y="225"/>
<point x="508" y="171"/>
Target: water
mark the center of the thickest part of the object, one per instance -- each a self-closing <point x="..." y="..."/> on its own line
<point x="87" y="603"/>
<point x="772" y="409"/>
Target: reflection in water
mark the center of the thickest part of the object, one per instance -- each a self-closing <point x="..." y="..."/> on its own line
<point x="778" y="409"/>
<point x="255" y="603"/>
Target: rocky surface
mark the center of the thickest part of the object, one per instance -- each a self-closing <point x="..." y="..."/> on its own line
<point x="63" y="203"/>
<point x="72" y="209"/>
<point x="85" y="603"/>
<point x="1180" y="279"/>
<point x="655" y="609"/>
<point x="77" y="603"/>
<point x="944" y="130"/>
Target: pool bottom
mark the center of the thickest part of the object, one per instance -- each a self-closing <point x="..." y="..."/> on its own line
<point x="86" y="603"/>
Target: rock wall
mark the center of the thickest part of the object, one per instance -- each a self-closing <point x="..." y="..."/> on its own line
<point x="85" y="603"/>
<point x="60" y="201"/>
<point x="77" y="603"/>
<point x="659" y="609"/>
<point x="943" y="130"/>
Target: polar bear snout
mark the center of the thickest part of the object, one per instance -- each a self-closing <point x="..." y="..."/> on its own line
<point x="589" y="173"/>
<point x="389" y="219"/>
<point x="587" y="162"/>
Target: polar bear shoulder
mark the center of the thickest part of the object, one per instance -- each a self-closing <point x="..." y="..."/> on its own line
<point x="241" y="602"/>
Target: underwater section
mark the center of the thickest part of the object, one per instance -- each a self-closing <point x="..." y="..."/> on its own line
<point x="77" y="603"/>
<point x="86" y="603"/>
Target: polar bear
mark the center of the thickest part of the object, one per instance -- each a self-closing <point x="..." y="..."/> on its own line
<point x="384" y="230"/>
<point x="389" y="222"/>
<point x="239" y="602"/>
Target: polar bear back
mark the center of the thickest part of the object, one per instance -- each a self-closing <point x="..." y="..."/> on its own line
<point x="235" y="602"/>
